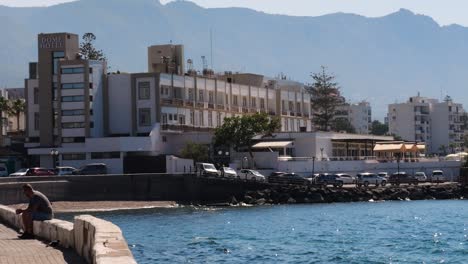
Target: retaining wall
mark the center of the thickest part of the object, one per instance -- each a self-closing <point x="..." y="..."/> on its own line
<point x="96" y="240"/>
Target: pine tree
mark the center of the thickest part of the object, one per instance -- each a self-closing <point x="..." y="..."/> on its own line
<point x="87" y="49"/>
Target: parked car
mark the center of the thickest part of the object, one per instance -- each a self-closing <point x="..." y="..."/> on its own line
<point x="420" y="176"/>
<point x="402" y="177"/>
<point x="61" y="171"/>
<point x="328" y="179"/>
<point x="312" y="178"/>
<point x="228" y="172"/>
<point x="206" y="170"/>
<point x="288" y="178"/>
<point x="20" y="172"/>
<point x="437" y="176"/>
<point x="251" y="175"/>
<point x="367" y="178"/>
<point x="3" y="171"/>
<point x="39" y="172"/>
<point x="345" y="178"/>
<point x="384" y="174"/>
<point x="91" y="169"/>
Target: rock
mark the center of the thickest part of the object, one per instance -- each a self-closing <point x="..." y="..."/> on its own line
<point x="234" y="200"/>
<point x="316" y="198"/>
<point x="248" y="199"/>
<point x="291" y="200"/>
<point x="260" y="201"/>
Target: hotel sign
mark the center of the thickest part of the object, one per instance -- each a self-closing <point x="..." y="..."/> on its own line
<point x="53" y="42"/>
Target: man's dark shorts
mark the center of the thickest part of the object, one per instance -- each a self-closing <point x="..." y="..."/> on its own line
<point x="40" y="216"/>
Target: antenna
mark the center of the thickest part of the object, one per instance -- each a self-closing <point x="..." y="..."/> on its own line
<point x="211" y="47"/>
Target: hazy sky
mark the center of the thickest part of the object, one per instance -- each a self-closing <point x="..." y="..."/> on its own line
<point x="443" y="11"/>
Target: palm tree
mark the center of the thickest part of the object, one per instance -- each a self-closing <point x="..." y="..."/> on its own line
<point x="16" y="108"/>
<point x="4" y="107"/>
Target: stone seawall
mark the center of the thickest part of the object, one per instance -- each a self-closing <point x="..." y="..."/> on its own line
<point x="96" y="240"/>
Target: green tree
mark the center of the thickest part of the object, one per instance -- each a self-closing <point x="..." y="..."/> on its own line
<point x="196" y="152"/>
<point x="378" y="128"/>
<point x="87" y="49"/>
<point x="342" y="124"/>
<point x="443" y="149"/>
<point x="4" y="108"/>
<point x="16" y="108"/>
<point x="397" y="137"/>
<point x="325" y="98"/>
<point x="238" y="132"/>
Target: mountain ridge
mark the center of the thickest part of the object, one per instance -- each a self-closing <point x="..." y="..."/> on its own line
<point x="381" y="59"/>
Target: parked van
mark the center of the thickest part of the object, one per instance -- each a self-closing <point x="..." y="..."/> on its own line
<point x="207" y="170"/>
<point x="437" y="176"/>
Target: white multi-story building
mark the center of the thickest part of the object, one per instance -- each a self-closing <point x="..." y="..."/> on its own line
<point x="74" y="107"/>
<point x="421" y="119"/>
<point x="359" y="116"/>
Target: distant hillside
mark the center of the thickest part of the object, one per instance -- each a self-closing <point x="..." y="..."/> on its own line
<point x="379" y="59"/>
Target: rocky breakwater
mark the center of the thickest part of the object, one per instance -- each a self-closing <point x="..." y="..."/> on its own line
<point x="307" y="194"/>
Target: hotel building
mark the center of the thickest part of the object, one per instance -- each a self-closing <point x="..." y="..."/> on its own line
<point x="359" y="116"/>
<point x="89" y="115"/>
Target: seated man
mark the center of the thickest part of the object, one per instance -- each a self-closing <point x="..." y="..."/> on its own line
<point x="39" y="209"/>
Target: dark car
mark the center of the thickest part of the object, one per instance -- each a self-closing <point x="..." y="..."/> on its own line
<point x="287" y="178"/>
<point x="92" y="169"/>
<point x="402" y="177"/>
<point x="328" y="179"/>
<point x="39" y="172"/>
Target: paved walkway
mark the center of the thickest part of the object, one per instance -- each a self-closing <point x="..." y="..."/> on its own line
<point x="17" y="251"/>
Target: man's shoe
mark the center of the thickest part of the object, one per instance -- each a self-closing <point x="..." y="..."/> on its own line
<point x="26" y="236"/>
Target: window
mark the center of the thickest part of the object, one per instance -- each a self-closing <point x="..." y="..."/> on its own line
<point x="36" y="95"/>
<point x="90" y="70"/>
<point x="253" y="102"/>
<point x="218" y="118"/>
<point x="72" y="85"/>
<point x="202" y="123"/>
<point x="201" y="96"/>
<point x="210" y="97"/>
<point x="178" y="92"/>
<point x="144" y="116"/>
<point x="105" y="155"/>
<point x="182" y="119"/>
<point x="298" y="107"/>
<point x="210" y="119"/>
<point x="234" y="100"/>
<point x="57" y="55"/>
<point x="170" y="117"/>
<point x="77" y="156"/>
<point x="192" y="117"/>
<point x="262" y="103"/>
<point x="90" y="85"/>
<point x="90" y="98"/>
<point x="91" y="124"/>
<point x="291" y="106"/>
<point x="244" y="101"/>
<point x="190" y="94"/>
<point x="36" y="121"/>
<point x="73" y="125"/>
<point x="73" y="140"/>
<point x="143" y="90"/>
<point x="74" y="112"/>
<point x="72" y="70"/>
<point x="74" y="98"/>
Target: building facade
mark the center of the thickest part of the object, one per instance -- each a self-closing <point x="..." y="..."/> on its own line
<point x="421" y="119"/>
<point x="73" y="105"/>
<point x="359" y="116"/>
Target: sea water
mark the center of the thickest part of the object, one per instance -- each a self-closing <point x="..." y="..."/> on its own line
<point x="378" y="232"/>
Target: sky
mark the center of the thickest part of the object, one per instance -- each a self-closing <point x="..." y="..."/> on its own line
<point x="445" y="12"/>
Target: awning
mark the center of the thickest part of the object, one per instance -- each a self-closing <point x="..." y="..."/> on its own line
<point x="421" y="147"/>
<point x="273" y="144"/>
<point x="411" y="148"/>
<point x="389" y="147"/>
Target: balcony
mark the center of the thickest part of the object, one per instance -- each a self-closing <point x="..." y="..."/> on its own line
<point x="306" y="115"/>
<point x="178" y="102"/>
<point x="166" y="101"/>
<point x="253" y="110"/>
<point x="284" y="113"/>
<point x="235" y="108"/>
<point x="220" y="106"/>
<point x="271" y="112"/>
<point x="299" y="114"/>
<point x="189" y="103"/>
<point x="200" y="104"/>
<point x="245" y="110"/>
<point x="211" y="105"/>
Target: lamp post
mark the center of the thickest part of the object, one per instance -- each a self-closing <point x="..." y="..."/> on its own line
<point x="313" y="166"/>
<point x="244" y="159"/>
<point x="54" y="153"/>
<point x="321" y="153"/>
<point x="398" y="163"/>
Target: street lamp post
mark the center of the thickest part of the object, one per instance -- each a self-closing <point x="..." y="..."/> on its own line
<point x="244" y="159"/>
<point x="321" y="153"/>
<point x="313" y="166"/>
<point x="54" y="153"/>
<point x="398" y="163"/>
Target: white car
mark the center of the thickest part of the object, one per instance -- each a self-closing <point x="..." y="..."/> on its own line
<point x="207" y="170"/>
<point x="367" y="178"/>
<point x="384" y="175"/>
<point x="61" y="171"/>
<point x="345" y="178"/>
<point x="420" y="176"/>
<point x="20" y="173"/>
<point x="228" y="172"/>
<point x="438" y="176"/>
<point x="252" y="175"/>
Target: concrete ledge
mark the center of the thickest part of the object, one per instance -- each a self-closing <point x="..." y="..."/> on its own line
<point x="96" y="240"/>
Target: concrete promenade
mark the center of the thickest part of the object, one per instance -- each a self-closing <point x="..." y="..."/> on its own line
<point x="14" y="250"/>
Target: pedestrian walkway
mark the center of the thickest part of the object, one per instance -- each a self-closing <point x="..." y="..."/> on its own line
<point x="18" y="251"/>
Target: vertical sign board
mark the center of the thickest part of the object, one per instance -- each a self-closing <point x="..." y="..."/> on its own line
<point x="51" y="42"/>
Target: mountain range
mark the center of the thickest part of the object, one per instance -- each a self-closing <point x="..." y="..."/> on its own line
<point x="382" y="60"/>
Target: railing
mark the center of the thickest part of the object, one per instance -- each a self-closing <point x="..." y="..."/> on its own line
<point x="211" y="105"/>
<point x="166" y="101"/>
<point x="189" y="103"/>
<point x="201" y="104"/>
<point x="245" y="110"/>
<point x="220" y="106"/>
<point x="178" y="102"/>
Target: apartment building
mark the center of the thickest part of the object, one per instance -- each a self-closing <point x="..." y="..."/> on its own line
<point x="359" y="116"/>
<point x="87" y="115"/>
<point x="422" y="119"/>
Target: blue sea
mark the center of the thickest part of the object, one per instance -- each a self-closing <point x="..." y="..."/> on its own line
<point x="369" y="232"/>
